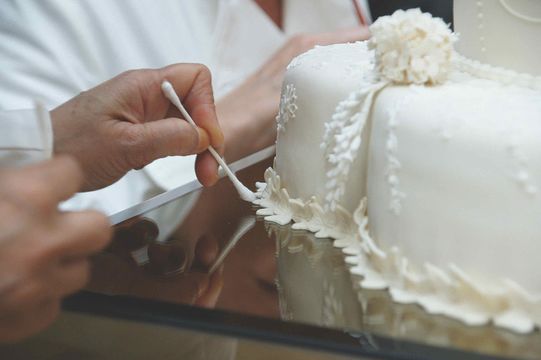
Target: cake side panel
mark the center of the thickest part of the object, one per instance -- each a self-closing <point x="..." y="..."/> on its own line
<point x="467" y="180"/>
<point x="320" y="79"/>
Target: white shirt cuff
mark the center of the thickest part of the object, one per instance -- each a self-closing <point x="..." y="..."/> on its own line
<point x="26" y="136"/>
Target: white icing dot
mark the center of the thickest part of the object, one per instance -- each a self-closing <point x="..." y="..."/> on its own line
<point x="445" y="135"/>
<point x="392" y="180"/>
<point x="522" y="176"/>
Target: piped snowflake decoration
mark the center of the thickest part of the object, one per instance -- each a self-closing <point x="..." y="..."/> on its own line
<point x="412" y="47"/>
<point x="342" y="139"/>
<point x="288" y="107"/>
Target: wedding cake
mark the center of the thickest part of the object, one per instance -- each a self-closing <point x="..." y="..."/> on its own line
<point x="423" y="162"/>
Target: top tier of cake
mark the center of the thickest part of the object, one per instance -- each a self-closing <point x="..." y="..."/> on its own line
<point x="502" y="33"/>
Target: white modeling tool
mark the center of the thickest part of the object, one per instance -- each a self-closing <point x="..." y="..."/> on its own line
<point x="244" y="192"/>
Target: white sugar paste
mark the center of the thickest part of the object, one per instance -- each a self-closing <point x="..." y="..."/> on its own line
<point x="431" y="191"/>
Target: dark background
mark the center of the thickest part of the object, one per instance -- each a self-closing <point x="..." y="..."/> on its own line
<point x="439" y="8"/>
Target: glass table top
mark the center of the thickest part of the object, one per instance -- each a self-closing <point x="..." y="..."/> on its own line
<point x="204" y="261"/>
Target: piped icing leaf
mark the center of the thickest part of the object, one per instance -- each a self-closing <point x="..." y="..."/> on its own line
<point x="446" y="290"/>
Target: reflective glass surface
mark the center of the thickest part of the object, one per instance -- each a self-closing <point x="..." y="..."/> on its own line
<point x="206" y="262"/>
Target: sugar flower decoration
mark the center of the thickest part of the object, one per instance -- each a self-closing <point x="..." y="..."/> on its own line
<point x="412" y="47"/>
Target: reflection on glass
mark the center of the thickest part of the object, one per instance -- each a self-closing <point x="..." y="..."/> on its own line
<point x="271" y="271"/>
<point x="315" y="286"/>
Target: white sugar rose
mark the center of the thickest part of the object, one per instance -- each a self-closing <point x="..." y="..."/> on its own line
<point x="412" y="47"/>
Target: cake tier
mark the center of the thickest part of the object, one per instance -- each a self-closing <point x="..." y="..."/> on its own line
<point x="500" y="32"/>
<point x="314" y="85"/>
<point x="459" y="189"/>
<point x="451" y="177"/>
<point x="461" y="182"/>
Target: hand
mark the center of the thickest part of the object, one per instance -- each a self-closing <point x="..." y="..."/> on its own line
<point x="43" y="252"/>
<point x="126" y="123"/>
<point x="249" y="111"/>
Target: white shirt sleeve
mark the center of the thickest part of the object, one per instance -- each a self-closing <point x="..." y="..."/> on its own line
<point x="26" y="136"/>
<point x="53" y="49"/>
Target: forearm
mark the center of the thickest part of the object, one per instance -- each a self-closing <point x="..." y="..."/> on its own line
<point x="247" y="118"/>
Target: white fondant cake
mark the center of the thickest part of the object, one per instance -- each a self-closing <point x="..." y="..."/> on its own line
<point x="422" y="163"/>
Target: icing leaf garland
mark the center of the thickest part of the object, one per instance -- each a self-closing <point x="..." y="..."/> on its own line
<point x="412" y="47"/>
<point x="446" y="290"/>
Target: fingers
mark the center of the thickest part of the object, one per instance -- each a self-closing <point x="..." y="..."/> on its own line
<point x="167" y="259"/>
<point x="144" y="125"/>
<point x="206" y="251"/>
<point x="54" y="281"/>
<point x="43" y="185"/>
<point x="168" y="137"/>
<point x="70" y="276"/>
<point x="210" y="296"/>
<point x="79" y="235"/>
<point x="343" y="36"/>
<point x="62" y="175"/>
<point x="193" y="84"/>
<point x="304" y="42"/>
<point x="301" y="43"/>
<point x="206" y="169"/>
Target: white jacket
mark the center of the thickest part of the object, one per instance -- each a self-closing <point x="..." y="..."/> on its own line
<point x="53" y="49"/>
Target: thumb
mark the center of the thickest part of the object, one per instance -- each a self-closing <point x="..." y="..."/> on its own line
<point x="168" y="137"/>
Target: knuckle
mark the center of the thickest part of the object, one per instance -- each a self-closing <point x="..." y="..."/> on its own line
<point x="134" y="78"/>
<point x="132" y="141"/>
<point x="137" y="75"/>
<point x="203" y="84"/>
<point x="128" y="75"/>
<point x="131" y="137"/>
<point x="204" y="71"/>
<point x="153" y="140"/>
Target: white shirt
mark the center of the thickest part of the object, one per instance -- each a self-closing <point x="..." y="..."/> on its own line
<point x="53" y="49"/>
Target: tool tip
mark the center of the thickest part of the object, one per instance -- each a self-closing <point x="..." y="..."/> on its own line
<point x="245" y="193"/>
<point x="166" y="86"/>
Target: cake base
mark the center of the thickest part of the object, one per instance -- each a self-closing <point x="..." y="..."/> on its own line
<point x="443" y="291"/>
